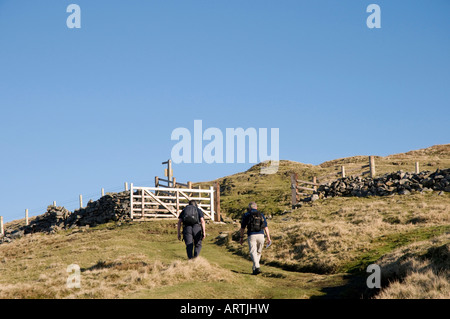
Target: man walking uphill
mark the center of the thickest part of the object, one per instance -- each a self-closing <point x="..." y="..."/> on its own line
<point x="193" y="228"/>
<point x="256" y="224"/>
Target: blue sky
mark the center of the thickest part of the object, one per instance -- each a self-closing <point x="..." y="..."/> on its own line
<point x="87" y="108"/>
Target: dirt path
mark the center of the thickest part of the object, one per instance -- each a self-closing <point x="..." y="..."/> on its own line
<point x="272" y="283"/>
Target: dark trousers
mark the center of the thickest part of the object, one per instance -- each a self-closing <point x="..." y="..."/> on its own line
<point x="192" y="236"/>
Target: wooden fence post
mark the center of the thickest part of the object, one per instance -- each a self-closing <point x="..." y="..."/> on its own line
<point x="2" y="232"/>
<point x="103" y="192"/>
<point x="54" y="203"/>
<point x="294" y="188"/>
<point x="26" y="217"/>
<point x="211" y="202"/>
<point x="217" y="201"/>
<point x="342" y="171"/>
<point x="156" y="181"/>
<point x="372" y="166"/>
<point x="417" y="170"/>
<point x="126" y="186"/>
<point x="169" y="172"/>
<point x="81" y="201"/>
<point x="131" y="200"/>
<point x="315" y="182"/>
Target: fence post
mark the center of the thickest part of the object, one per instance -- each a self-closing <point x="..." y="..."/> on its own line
<point x="54" y="203"/>
<point x="174" y="183"/>
<point x="211" y="202"/>
<point x="294" y="188"/>
<point x="156" y="181"/>
<point x="81" y="201"/>
<point x="372" y="166"/>
<point x="169" y="172"/>
<point x="315" y="182"/>
<point x="343" y="171"/>
<point x="2" y="232"/>
<point x="126" y="186"/>
<point x="131" y="201"/>
<point x="217" y="201"/>
<point x="103" y="192"/>
<point x="26" y="217"/>
<point x="417" y="168"/>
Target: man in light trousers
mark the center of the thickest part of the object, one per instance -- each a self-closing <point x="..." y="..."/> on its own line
<point x="256" y="225"/>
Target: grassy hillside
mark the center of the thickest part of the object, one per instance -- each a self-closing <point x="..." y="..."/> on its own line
<point x="320" y="250"/>
<point x="347" y="234"/>
<point x="273" y="194"/>
<point x="141" y="260"/>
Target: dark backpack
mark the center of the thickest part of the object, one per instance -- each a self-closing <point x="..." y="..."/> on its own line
<point x="190" y="217"/>
<point x="256" y="221"/>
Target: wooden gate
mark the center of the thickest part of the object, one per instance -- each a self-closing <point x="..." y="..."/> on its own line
<point x="155" y="202"/>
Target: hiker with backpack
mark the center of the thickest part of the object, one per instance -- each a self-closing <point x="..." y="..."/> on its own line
<point x="194" y="232"/>
<point x="256" y="224"/>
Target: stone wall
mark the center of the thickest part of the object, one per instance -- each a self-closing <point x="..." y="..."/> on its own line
<point x="394" y="183"/>
<point x="112" y="206"/>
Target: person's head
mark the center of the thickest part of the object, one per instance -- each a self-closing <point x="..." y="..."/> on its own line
<point x="252" y="205"/>
<point x="193" y="203"/>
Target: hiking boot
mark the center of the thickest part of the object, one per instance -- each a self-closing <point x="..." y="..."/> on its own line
<point x="256" y="271"/>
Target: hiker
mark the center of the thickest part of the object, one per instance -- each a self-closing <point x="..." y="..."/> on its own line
<point x="193" y="228"/>
<point x="256" y="224"/>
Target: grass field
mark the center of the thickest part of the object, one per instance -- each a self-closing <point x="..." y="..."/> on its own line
<point x="320" y="250"/>
<point x="317" y="251"/>
<point x="141" y="260"/>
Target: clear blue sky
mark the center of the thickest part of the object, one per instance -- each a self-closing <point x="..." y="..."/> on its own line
<point x="87" y="108"/>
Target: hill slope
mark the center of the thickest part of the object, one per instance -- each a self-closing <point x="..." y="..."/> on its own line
<point x="273" y="194"/>
<point x="315" y="247"/>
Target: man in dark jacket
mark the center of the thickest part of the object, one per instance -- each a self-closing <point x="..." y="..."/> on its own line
<point x="256" y="224"/>
<point x="194" y="231"/>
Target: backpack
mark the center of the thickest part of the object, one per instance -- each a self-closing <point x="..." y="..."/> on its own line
<point x="190" y="217"/>
<point x="256" y="221"/>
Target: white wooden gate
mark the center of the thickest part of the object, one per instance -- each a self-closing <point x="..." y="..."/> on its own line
<point x="156" y="202"/>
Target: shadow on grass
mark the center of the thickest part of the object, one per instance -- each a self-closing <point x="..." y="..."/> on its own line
<point x="355" y="287"/>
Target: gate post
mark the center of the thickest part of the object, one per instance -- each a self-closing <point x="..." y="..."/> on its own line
<point x="293" y="189"/>
<point x="178" y="203"/>
<point x="211" y="202"/>
<point x="217" y="201"/>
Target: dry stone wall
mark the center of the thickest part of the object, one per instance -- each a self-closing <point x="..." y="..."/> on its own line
<point x="402" y="183"/>
<point x="112" y="206"/>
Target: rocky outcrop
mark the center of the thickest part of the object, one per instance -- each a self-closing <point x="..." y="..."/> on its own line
<point x="394" y="183"/>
